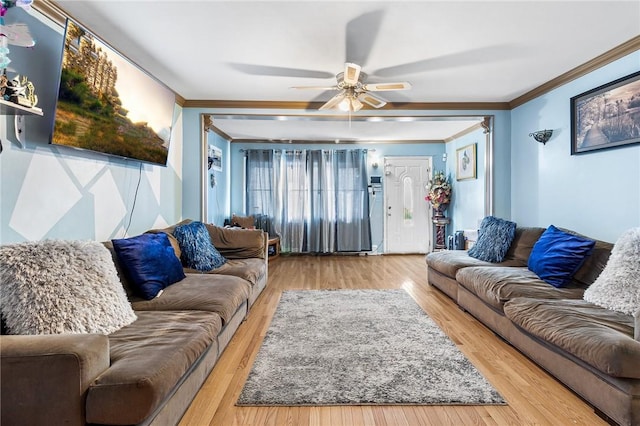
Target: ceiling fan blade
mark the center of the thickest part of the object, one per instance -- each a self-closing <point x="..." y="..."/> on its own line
<point x="372" y="100"/>
<point x="351" y="73"/>
<point x="465" y="58"/>
<point x="333" y="102"/>
<point x="381" y="87"/>
<point x="315" y="87"/>
<point x="279" y="71"/>
<point x="361" y="34"/>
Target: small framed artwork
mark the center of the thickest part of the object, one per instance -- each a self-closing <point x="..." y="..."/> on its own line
<point x="215" y="158"/>
<point x="607" y="116"/>
<point x="466" y="162"/>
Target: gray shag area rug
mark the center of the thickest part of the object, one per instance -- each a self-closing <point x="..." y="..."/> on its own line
<point x="360" y="347"/>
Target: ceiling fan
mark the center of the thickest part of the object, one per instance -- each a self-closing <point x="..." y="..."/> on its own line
<point x="354" y="90"/>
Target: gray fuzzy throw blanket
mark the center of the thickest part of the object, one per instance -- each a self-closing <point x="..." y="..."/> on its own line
<point x="56" y="287"/>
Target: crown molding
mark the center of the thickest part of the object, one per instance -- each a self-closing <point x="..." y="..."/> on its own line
<point x="464" y="132"/>
<point x="616" y="53"/>
<point x="51" y="11"/>
<point x="180" y="100"/>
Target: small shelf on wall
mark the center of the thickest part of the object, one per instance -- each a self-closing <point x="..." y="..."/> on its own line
<point x="18" y="112"/>
<point x="10" y="108"/>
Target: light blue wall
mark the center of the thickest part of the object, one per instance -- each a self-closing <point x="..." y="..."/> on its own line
<point x="57" y="192"/>
<point x="219" y="200"/>
<point x="467" y="205"/>
<point x="596" y="194"/>
<point x="218" y="197"/>
<point x="192" y="164"/>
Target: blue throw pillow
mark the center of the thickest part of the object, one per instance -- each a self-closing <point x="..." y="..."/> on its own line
<point x="149" y="262"/>
<point x="198" y="252"/>
<point x="558" y="255"/>
<point x="494" y="239"/>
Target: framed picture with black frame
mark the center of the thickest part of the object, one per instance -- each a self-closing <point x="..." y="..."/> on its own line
<point x="607" y="116"/>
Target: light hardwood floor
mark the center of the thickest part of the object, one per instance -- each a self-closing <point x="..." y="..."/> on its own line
<point x="533" y="397"/>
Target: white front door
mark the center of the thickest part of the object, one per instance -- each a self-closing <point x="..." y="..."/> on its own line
<point x="407" y="215"/>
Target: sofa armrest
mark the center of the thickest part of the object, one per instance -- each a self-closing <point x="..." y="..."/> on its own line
<point x="636" y="328"/>
<point x="237" y="243"/>
<point x="45" y="378"/>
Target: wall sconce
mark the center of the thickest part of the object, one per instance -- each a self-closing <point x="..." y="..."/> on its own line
<point x="374" y="164"/>
<point x="542" y="135"/>
<point x="444" y="157"/>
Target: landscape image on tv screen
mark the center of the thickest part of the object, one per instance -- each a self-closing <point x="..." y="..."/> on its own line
<point x="108" y="104"/>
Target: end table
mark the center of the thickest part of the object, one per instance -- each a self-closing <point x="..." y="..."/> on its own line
<point x="275" y="243"/>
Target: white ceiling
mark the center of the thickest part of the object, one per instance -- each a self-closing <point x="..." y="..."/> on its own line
<point x="450" y="51"/>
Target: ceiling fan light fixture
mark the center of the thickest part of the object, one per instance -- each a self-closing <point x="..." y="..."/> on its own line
<point x="350" y="102"/>
<point x="345" y="104"/>
<point x="354" y="91"/>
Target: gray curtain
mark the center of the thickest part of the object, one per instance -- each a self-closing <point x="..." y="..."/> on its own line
<point x="353" y="227"/>
<point x="321" y="228"/>
<point x="318" y="200"/>
<point x="260" y="178"/>
<point x="293" y="192"/>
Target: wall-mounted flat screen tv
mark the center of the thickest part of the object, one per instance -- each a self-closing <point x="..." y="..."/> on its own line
<point x="108" y="104"/>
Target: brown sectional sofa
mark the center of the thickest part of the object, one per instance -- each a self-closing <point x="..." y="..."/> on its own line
<point x="592" y="350"/>
<point x="149" y="371"/>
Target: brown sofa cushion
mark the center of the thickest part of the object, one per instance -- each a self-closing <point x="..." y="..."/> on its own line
<point x="600" y="337"/>
<point x="251" y="269"/>
<point x="496" y="285"/>
<point x="201" y="292"/>
<point x="594" y="264"/>
<point x="243" y="221"/>
<point x="448" y="262"/>
<point x="236" y="243"/>
<point x="232" y="243"/>
<point x="523" y="243"/>
<point x="148" y="358"/>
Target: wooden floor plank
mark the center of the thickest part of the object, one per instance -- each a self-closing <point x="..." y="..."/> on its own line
<point x="533" y="397"/>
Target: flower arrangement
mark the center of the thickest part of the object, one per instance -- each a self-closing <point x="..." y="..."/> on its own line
<point x="439" y="191"/>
